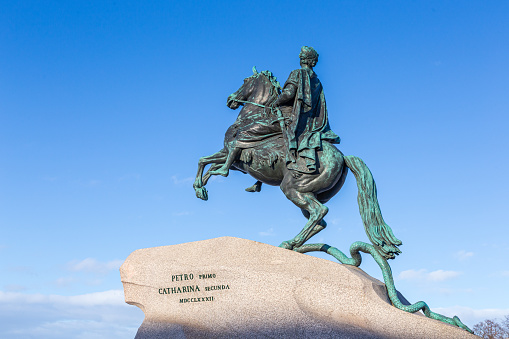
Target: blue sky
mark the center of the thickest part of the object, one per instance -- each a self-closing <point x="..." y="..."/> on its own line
<point x="106" y="107"/>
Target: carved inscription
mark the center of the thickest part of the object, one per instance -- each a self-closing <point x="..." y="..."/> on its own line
<point x="218" y="287"/>
<point x="193" y="287"/>
<point x="182" y="289"/>
<point x="195" y="300"/>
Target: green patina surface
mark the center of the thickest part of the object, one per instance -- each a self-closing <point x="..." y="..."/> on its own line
<point x="356" y="260"/>
<point x="282" y="137"/>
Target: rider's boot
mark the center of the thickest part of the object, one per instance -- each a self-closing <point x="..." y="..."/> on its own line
<point x="257" y="187"/>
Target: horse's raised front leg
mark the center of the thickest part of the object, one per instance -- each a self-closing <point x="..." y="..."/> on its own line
<point x="218" y="157"/>
<point x="207" y="174"/>
<point x="230" y="159"/>
<point x="314" y="210"/>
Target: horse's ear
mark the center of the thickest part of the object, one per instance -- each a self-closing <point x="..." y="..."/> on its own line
<point x="254" y="70"/>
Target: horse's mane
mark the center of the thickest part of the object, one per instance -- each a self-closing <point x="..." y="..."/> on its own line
<point x="273" y="80"/>
<point x="275" y="89"/>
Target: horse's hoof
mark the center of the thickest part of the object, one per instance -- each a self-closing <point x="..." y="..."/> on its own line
<point x="286" y="244"/>
<point x="201" y="192"/>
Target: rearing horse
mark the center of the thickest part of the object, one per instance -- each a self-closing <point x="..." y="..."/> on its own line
<point x="265" y="160"/>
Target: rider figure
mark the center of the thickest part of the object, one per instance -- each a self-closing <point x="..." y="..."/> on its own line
<point x="304" y="101"/>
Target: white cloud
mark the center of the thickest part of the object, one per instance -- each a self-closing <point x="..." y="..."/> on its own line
<point x="505" y="273"/>
<point x="129" y="177"/>
<point x="75" y="328"/>
<point x="94" y="182"/>
<point x="106" y="298"/>
<point x="64" y="281"/>
<point x="217" y="178"/>
<point x="450" y="291"/>
<point x="93" y="266"/>
<point x="178" y="181"/>
<point x="267" y="233"/>
<point x="441" y="275"/>
<point x="334" y="221"/>
<point x="101" y="315"/>
<point x="422" y="274"/>
<point x="470" y="316"/>
<point x="182" y="213"/>
<point x="21" y="269"/>
<point x="412" y="274"/>
<point x="463" y="255"/>
<point x="14" y="288"/>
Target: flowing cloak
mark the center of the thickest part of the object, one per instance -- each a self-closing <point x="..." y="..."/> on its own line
<point x="309" y="121"/>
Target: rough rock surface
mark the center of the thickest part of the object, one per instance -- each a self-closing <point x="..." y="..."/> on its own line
<point x="236" y="288"/>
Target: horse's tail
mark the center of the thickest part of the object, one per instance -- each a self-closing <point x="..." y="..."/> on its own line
<point x="377" y="230"/>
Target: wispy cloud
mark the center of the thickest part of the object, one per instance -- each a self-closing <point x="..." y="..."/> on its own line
<point x="182" y="213"/>
<point x="14" y="288"/>
<point x="267" y="233"/>
<point x="95" y="315"/>
<point x="94" y="182"/>
<point x="94" y="266"/>
<point x="334" y="221"/>
<point x="471" y="316"/>
<point x="178" y="181"/>
<point x="21" y="269"/>
<point x="134" y="176"/>
<point x="108" y="298"/>
<point x="422" y="274"/>
<point x="64" y="281"/>
<point x="463" y="255"/>
<point x="441" y="275"/>
<point x="450" y="291"/>
<point x="217" y="178"/>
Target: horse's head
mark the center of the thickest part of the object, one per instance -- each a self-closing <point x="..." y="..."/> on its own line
<point x="260" y="88"/>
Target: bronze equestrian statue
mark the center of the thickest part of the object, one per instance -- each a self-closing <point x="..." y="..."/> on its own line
<point x="282" y="138"/>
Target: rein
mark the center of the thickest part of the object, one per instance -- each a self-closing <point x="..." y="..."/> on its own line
<point x="272" y="108"/>
<point x="252" y="103"/>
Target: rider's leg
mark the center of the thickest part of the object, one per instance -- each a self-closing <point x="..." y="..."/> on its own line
<point x="232" y="156"/>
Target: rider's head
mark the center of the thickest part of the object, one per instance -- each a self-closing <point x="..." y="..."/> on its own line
<point x="308" y="56"/>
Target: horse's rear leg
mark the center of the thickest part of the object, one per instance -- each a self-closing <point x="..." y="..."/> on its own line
<point x="321" y="223"/>
<point x="311" y="207"/>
